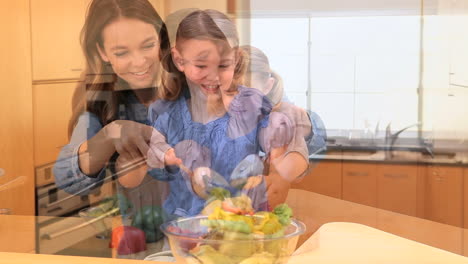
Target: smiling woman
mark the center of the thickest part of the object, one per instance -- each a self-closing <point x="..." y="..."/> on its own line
<point x="131" y="47"/>
<point x="121" y="41"/>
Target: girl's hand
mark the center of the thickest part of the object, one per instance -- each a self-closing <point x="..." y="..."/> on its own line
<point x="252" y="182"/>
<point x="170" y="158"/>
<point x="160" y="153"/>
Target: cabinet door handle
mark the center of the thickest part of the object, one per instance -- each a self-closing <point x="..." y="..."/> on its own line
<point x="76" y="69"/>
<point x="401" y="175"/>
<point x="358" y="173"/>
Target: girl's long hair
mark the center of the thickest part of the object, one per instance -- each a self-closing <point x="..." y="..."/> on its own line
<point x="202" y="25"/>
<point x="257" y="66"/>
<point x="99" y="89"/>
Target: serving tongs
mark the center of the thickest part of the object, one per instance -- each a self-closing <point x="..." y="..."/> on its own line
<point x="205" y="179"/>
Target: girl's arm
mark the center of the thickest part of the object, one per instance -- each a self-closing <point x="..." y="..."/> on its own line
<point x="284" y="143"/>
<point x="287" y="156"/>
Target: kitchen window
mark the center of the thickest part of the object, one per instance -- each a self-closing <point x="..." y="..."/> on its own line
<point x="355" y="71"/>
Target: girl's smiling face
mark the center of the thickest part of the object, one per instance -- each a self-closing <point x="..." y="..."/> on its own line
<point x="131" y="46"/>
<point x="205" y="64"/>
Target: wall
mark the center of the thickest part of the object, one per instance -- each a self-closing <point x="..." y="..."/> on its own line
<point x="445" y="71"/>
<point x="174" y="5"/>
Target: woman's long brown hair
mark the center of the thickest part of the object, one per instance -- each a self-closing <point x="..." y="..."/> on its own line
<point x="99" y="86"/>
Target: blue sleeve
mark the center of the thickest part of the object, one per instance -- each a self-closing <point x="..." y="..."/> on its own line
<point x="158" y="109"/>
<point x="317" y="139"/>
<point x="67" y="173"/>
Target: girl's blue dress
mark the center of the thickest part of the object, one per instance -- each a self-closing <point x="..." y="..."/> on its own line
<point x="208" y="145"/>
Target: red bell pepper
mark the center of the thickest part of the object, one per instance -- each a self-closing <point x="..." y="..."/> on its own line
<point x="128" y="240"/>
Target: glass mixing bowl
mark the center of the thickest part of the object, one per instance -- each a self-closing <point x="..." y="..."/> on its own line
<point x="185" y="237"/>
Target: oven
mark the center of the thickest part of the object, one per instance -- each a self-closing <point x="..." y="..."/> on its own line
<point x="59" y="229"/>
<point x="52" y="201"/>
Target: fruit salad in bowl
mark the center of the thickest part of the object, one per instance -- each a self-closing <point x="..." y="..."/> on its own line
<point x="232" y="233"/>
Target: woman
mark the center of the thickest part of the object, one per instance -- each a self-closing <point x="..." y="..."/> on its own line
<point x="121" y="41"/>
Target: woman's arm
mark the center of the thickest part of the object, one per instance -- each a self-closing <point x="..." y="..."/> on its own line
<point x="67" y="172"/>
<point x="81" y="163"/>
<point x="128" y="138"/>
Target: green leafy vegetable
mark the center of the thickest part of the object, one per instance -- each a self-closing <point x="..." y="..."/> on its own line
<point x="148" y="219"/>
<point x="284" y="213"/>
<point x="219" y="193"/>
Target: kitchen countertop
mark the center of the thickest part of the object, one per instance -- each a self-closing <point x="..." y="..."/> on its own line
<point x="333" y="243"/>
<point x="399" y="157"/>
<point x="334" y="238"/>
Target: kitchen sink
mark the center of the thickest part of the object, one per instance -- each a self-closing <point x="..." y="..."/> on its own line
<point x="351" y="152"/>
<point x="439" y="155"/>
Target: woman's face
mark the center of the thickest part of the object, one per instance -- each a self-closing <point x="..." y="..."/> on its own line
<point x="131" y="46"/>
<point x="206" y="65"/>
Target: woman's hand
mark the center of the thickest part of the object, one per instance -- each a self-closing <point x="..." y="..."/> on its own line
<point x="131" y="172"/>
<point x="130" y="139"/>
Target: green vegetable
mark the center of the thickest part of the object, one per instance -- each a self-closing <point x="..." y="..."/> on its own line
<point x="123" y="203"/>
<point x="218" y="193"/>
<point x="115" y="201"/>
<point x="148" y="219"/>
<point x="284" y="213"/>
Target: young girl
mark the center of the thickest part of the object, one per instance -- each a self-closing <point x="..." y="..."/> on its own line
<point x="208" y="64"/>
<point x="292" y="165"/>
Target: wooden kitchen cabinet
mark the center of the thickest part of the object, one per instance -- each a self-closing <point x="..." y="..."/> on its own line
<point x="323" y="178"/>
<point x="465" y="199"/>
<point x="16" y="140"/>
<point x="55" y="33"/>
<point x="52" y="111"/>
<point x="16" y="143"/>
<point x="360" y="183"/>
<point x="465" y="211"/>
<point x="397" y="188"/>
<point x="443" y="194"/>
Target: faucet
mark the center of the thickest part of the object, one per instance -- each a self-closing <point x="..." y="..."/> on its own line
<point x="390" y="138"/>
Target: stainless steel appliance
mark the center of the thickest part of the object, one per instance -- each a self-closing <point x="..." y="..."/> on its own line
<point x="59" y="228"/>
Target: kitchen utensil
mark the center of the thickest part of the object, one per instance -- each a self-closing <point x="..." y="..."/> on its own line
<point x="205" y="179"/>
<point x="251" y="165"/>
